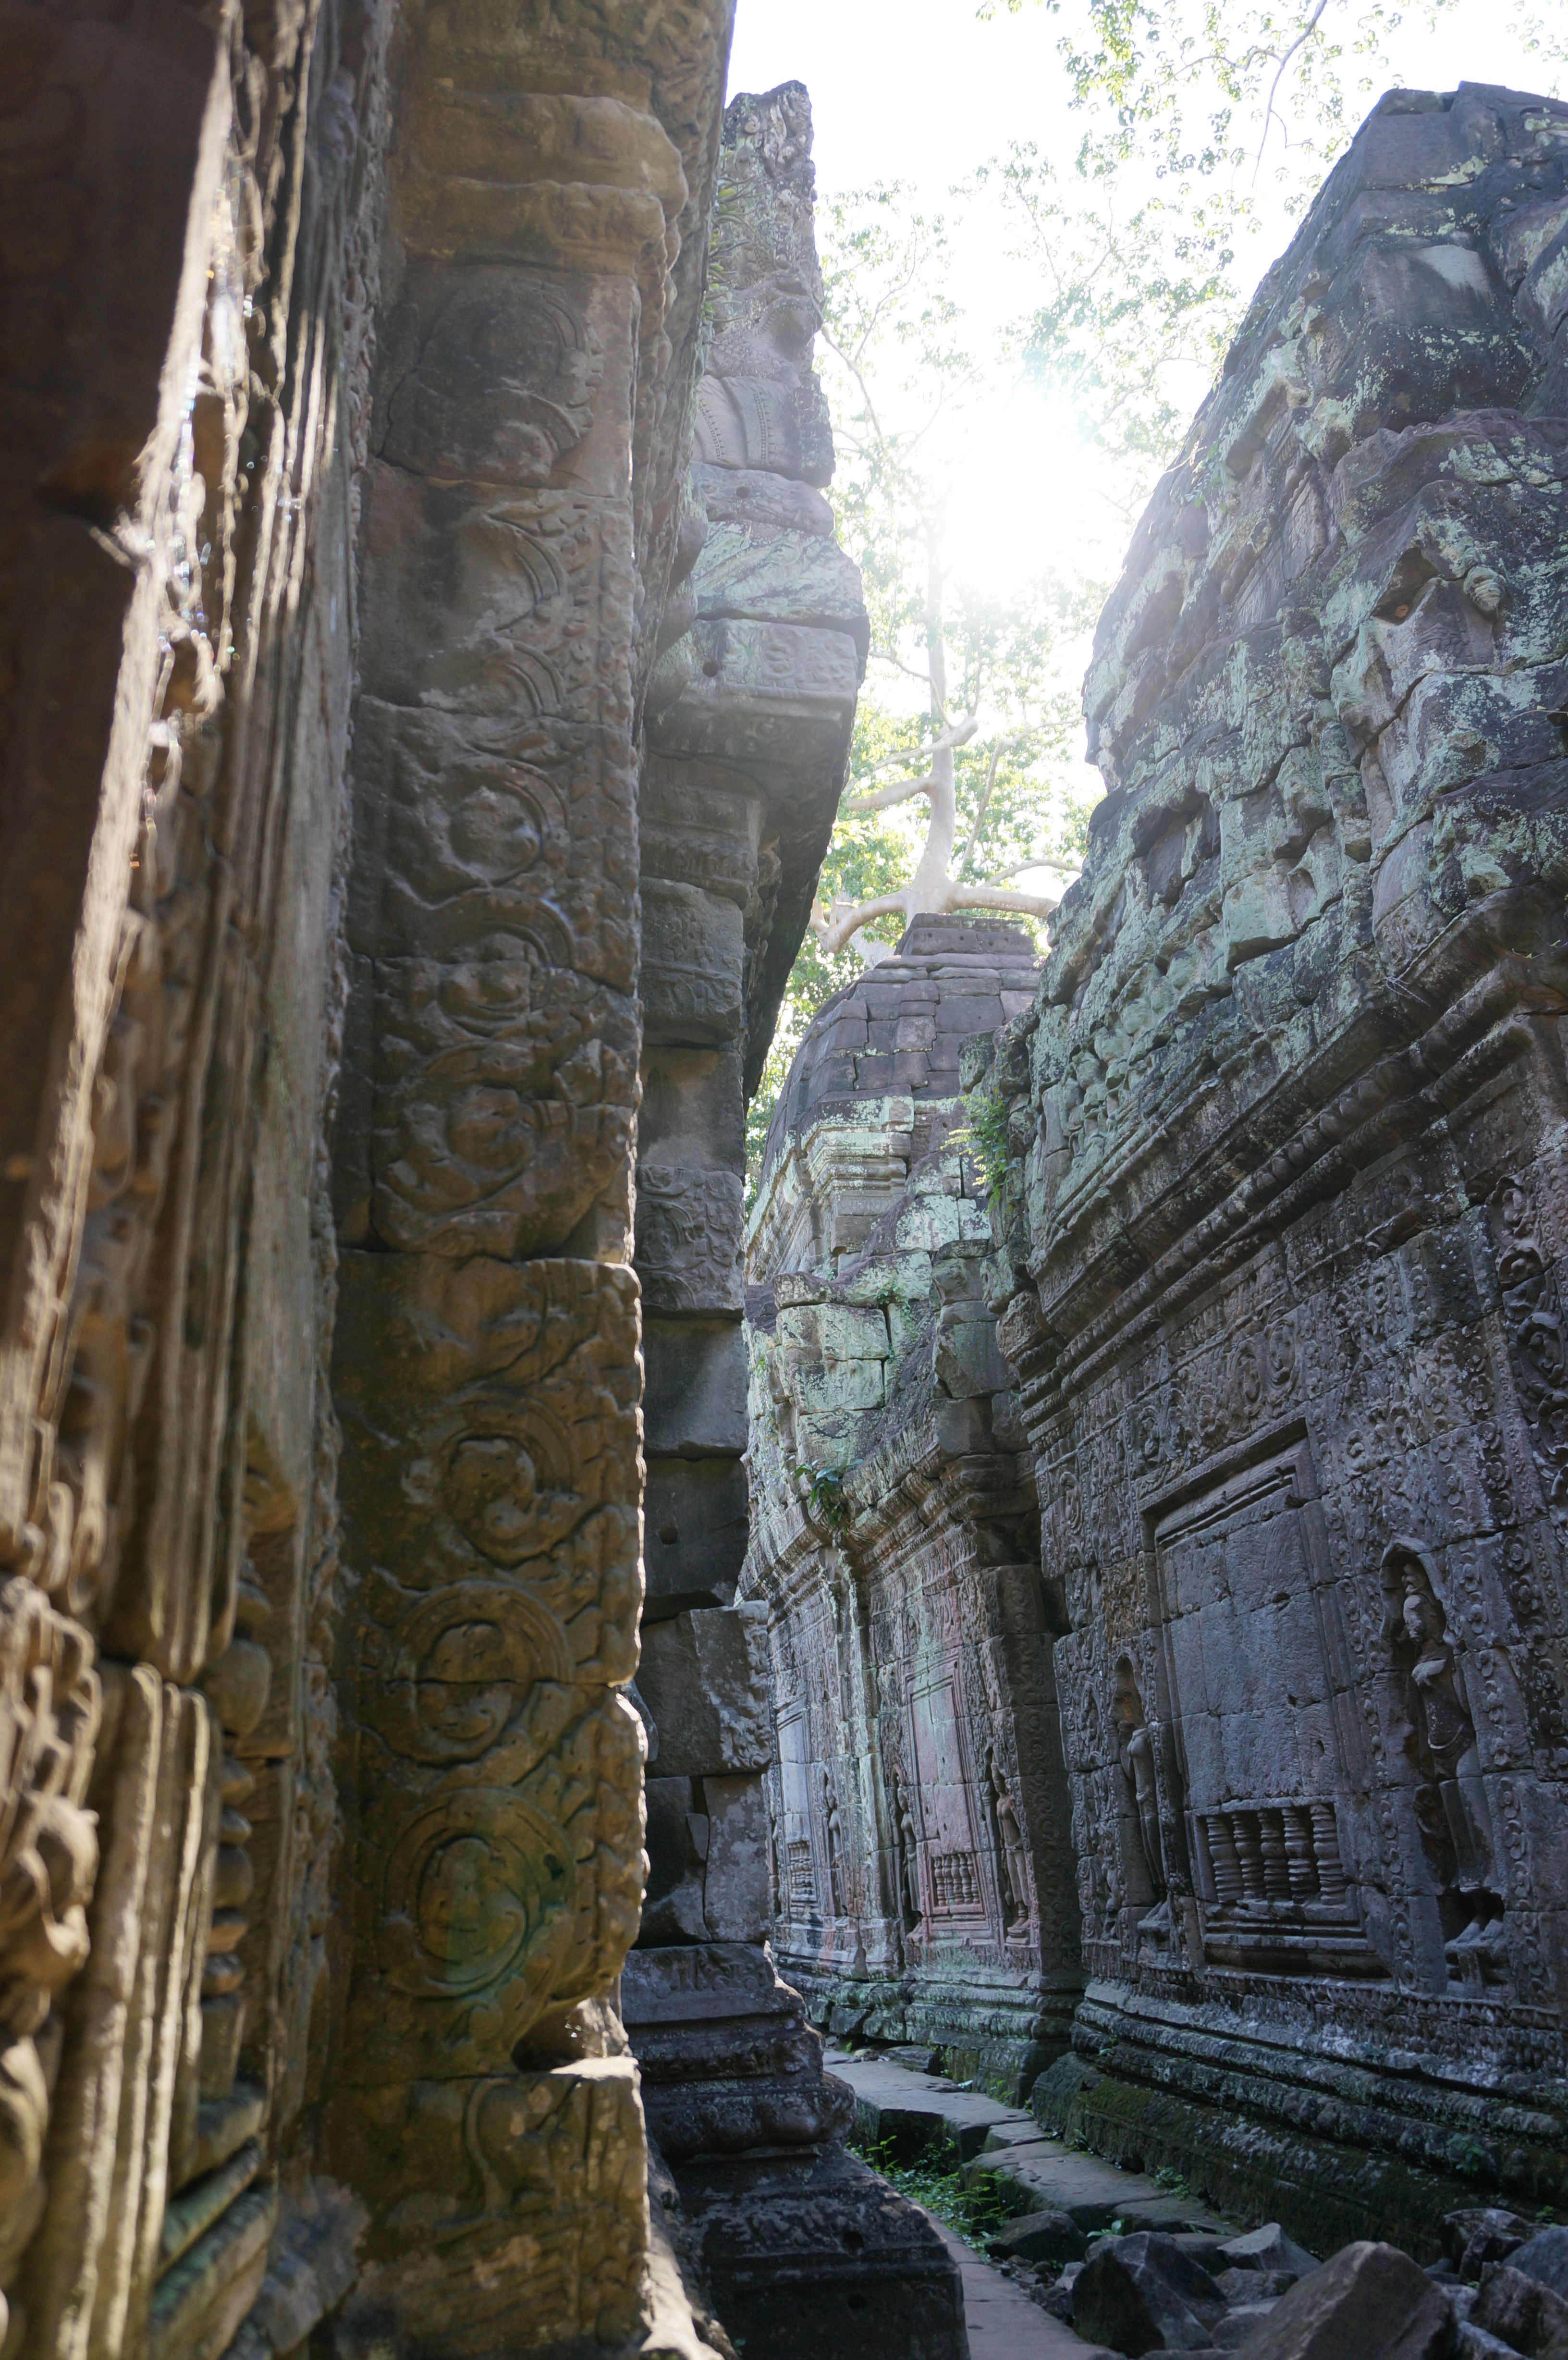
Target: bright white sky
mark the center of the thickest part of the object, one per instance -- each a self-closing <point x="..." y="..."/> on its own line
<point x="920" y="91"/>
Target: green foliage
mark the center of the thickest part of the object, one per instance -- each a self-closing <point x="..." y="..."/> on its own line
<point x="935" y="2183"/>
<point x="824" y="1496"/>
<point x="1187" y="105"/>
<point x="1134" y="299"/>
<point x="985" y="1136"/>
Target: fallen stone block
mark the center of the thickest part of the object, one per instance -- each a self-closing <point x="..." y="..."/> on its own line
<point x="1253" y="2286"/>
<point x="1544" y="2256"/>
<point x="1051" y="2238"/>
<point x="1142" y="2293"/>
<point x="1522" y="2310"/>
<point x="1238" y="2325"/>
<point x="1368" y="2302"/>
<point x="1475" y="2343"/>
<point x="1481" y="2233"/>
<point x="1267" y="2248"/>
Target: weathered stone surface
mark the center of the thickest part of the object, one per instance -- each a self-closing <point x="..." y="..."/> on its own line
<point x="917" y="1815"/>
<point x="522" y="521"/>
<point x="696" y="1387"/>
<point x="702" y="1679"/>
<point x="1481" y="2233"/>
<point x="1370" y="2303"/>
<point x="695" y="1534"/>
<point x="189" y="275"/>
<point x="1275" y="1259"/>
<point x="693" y="964"/>
<point x="1141" y="2294"/>
<point x="1045" y="2237"/>
<point x="863" y="2271"/>
<point x="1544" y="2257"/>
<point x="1519" y="2308"/>
<point x="749" y="718"/>
<point x="1268" y="2249"/>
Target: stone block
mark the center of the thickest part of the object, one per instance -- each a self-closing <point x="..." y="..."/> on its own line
<point x="503" y="1096"/>
<point x="677" y="1844"/>
<point x="696" y="1388"/>
<point x="1142" y="2293"/>
<point x="1048" y="2239"/>
<point x="762" y="573"/>
<point x="1269" y="2249"/>
<point x="459" y="842"/>
<point x="1369" y="2302"/>
<point x="701" y="823"/>
<point x="491" y="603"/>
<point x="738" y="1891"/>
<point x="1544" y="2257"/>
<point x="688" y="1223"/>
<point x="695" y="1534"/>
<point x="562" y="2149"/>
<point x="693" y="1110"/>
<point x="969" y="1361"/>
<point x="703" y="1984"/>
<point x="704" y="1677"/>
<point x="1520" y="2308"/>
<point x="693" y="957"/>
<point x="824" y="2257"/>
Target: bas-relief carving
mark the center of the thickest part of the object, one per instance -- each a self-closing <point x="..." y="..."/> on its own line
<point x="1282" y="1287"/>
<point x="688" y="1237"/>
<point x="758" y="404"/>
<point x="923" y="1889"/>
<point x="520" y="519"/>
<point x="136" y="2148"/>
<point x="499" y="1870"/>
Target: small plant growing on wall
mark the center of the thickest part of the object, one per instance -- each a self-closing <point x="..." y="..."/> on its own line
<point x="984" y="1138"/>
<point x="824" y="1496"/>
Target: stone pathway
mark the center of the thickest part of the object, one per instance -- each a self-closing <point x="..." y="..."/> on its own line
<point x="991" y="2138"/>
<point x="1003" y="2323"/>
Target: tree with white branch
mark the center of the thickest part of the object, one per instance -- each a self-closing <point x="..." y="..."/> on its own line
<point x="991" y="711"/>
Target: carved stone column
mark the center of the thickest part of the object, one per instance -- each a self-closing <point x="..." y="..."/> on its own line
<point x="547" y="216"/>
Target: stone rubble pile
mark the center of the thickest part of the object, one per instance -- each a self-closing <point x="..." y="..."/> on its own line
<point x="1501" y="2289"/>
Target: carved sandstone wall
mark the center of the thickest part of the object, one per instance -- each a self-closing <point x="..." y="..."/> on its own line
<point x="188" y="283"/>
<point x="924" y="1888"/>
<point x="1278" y="1256"/>
<point x="533" y="409"/>
<point x="1276" y="1243"/>
<point x="804" y="2248"/>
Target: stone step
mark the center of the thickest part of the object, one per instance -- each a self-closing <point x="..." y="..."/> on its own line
<point x="912" y="2110"/>
<point x="909" y="2110"/>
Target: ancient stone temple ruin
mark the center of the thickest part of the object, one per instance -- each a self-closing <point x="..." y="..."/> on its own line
<point x="1175" y="1698"/>
<point x="918" y="1808"/>
<point x="430" y="676"/>
<point x="494" y="1650"/>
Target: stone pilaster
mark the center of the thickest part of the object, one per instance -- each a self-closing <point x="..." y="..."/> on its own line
<point x="548" y="217"/>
